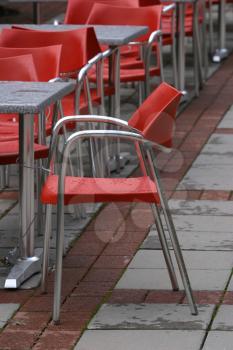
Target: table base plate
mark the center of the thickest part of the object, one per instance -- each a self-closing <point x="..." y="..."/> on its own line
<point x="22" y="270"/>
<point x="219" y="55"/>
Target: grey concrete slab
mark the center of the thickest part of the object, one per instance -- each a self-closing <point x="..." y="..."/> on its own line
<point x="223" y="320"/>
<point x="218" y="340"/>
<point x="202" y="223"/>
<point x="6" y="312"/>
<point x="195" y="260"/>
<point x="203" y="207"/>
<point x="213" y="167"/>
<point x="140" y="340"/>
<point x="191" y="240"/>
<point x="227" y="121"/>
<point x="204" y="177"/>
<point x="6" y="205"/>
<point x="151" y="316"/>
<point x="158" y="279"/>
<point x="230" y="285"/>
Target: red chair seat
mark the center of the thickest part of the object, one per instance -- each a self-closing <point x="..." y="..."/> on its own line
<point x="9" y="152"/>
<point x="86" y="190"/>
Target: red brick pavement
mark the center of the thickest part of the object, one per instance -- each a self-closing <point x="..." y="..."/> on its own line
<point x="97" y="260"/>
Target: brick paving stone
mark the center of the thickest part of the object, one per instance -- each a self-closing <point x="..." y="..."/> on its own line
<point x="113" y="262"/>
<point x="124" y="249"/>
<point x="165" y="297"/>
<point x="189" y="195"/>
<point x="92" y="288"/>
<point x="81" y="304"/>
<point x="103" y="275"/>
<point x="79" y="261"/>
<point x="69" y="321"/>
<point x="10" y="195"/>
<point x="87" y="248"/>
<point x="54" y="340"/>
<point x="15" y="296"/>
<point x="20" y="340"/>
<point x="206" y="297"/>
<point x="42" y="303"/>
<point x="127" y="296"/>
<point x="228" y="298"/>
<point x="215" y="195"/>
<point x="32" y="321"/>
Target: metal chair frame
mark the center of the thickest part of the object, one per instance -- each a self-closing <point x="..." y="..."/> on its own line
<point x="144" y="149"/>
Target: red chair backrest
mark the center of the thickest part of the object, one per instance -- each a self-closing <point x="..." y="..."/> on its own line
<point x="77" y="11"/>
<point x="46" y="59"/>
<point x="149" y="2"/>
<point x="78" y="46"/>
<point x="18" y="68"/>
<point x="145" y="16"/>
<point x="155" y="118"/>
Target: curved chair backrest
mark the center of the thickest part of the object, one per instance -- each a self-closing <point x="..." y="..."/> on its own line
<point x="145" y="16"/>
<point x="46" y="59"/>
<point x="78" y="46"/>
<point x="77" y="11"/>
<point x="18" y="68"/>
<point x="149" y="2"/>
<point x="155" y="118"/>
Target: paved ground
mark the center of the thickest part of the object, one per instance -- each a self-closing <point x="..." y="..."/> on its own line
<point x="116" y="293"/>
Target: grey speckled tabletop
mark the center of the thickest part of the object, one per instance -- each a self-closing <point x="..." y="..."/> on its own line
<point x="106" y="34"/>
<point x="30" y="97"/>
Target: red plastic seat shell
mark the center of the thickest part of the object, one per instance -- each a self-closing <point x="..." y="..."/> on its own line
<point x="9" y="152"/>
<point x="89" y="190"/>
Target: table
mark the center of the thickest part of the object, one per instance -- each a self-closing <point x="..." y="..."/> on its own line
<point x="181" y="47"/>
<point x="27" y="99"/>
<point x="114" y="36"/>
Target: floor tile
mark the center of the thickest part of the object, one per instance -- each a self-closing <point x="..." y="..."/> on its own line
<point x="200" y="260"/>
<point x="212" y="174"/>
<point x="201" y="207"/>
<point x="151" y="316"/>
<point x="192" y="240"/>
<point x="218" y="340"/>
<point x="223" y="320"/>
<point x="227" y="121"/>
<point x="140" y="339"/>
<point x="7" y="311"/>
<point x="159" y="279"/>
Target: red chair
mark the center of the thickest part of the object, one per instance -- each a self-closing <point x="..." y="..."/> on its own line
<point x="78" y="47"/>
<point x="77" y="11"/>
<point x="137" y="70"/>
<point x="47" y="62"/>
<point x="18" y="68"/>
<point x="149" y="128"/>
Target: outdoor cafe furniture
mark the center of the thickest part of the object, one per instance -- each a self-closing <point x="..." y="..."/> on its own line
<point x="150" y="128"/>
<point x="27" y="99"/>
<point x="134" y="69"/>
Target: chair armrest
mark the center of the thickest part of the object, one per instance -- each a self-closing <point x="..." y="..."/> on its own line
<point x="168" y="8"/>
<point x="154" y="36"/>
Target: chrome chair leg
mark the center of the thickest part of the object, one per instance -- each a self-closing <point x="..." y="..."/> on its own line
<point x="165" y="248"/>
<point x="47" y="235"/>
<point x="173" y="236"/>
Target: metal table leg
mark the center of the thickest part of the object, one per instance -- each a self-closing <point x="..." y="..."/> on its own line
<point x="222" y="52"/>
<point x="36" y="12"/>
<point x="181" y="47"/>
<point x="27" y="264"/>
